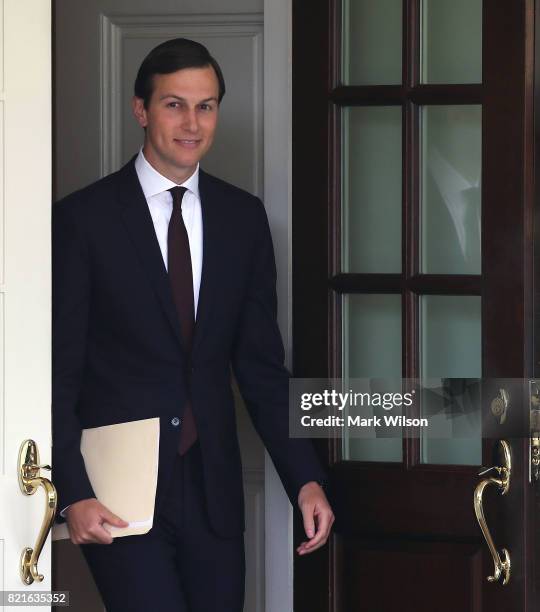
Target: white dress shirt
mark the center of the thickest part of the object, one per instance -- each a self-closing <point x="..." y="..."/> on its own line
<point x="155" y="187"/>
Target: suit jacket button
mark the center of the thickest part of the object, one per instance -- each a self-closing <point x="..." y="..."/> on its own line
<point x="175" y="421"/>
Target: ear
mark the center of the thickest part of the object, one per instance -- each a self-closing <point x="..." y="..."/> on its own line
<point x="137" y="104"/>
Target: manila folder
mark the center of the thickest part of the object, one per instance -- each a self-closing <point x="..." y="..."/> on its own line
<point x="121" y="461"/>
<point x="122" y="464"/>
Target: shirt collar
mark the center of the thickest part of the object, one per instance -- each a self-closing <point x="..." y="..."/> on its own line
<point x="153" y="182"/>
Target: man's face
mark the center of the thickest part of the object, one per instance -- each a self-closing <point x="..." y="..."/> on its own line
<point x="180" y="120"/>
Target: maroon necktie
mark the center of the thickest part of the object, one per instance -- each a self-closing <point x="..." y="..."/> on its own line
<point x="181" y="279"/>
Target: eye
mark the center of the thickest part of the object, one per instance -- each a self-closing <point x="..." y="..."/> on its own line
<point x="206" y="107"/>
<point x="173" y="105"/>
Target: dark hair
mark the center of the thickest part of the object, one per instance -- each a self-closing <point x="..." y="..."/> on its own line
<point x="170" y="56"/>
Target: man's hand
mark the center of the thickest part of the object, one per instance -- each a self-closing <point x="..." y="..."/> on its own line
<point x="85" y="520"/>
<point x="316" y="512"/>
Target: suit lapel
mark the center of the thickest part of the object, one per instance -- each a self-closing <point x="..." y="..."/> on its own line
<point x="140" y="227"/>
<point x="212" y="228"/>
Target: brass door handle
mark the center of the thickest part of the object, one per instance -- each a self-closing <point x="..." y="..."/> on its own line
<point x="29" y="481"/>
<point x="501" y="561"/>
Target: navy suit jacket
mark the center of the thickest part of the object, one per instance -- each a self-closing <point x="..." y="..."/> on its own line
<point x="117" y="347"/>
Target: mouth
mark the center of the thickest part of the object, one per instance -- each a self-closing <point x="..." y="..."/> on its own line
<point x="187" y="143"/>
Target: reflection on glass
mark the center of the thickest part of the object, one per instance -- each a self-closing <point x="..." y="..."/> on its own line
<point x="451" y="369"/>
<point x="451" y="162"/>
<point x="371" y="48"/>
<point x="371" y="349"/>
<point x="451" y="41"/>
<point x="371" y="189"/>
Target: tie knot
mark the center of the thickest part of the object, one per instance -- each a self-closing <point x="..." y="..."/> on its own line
<point x="177" y="195"/>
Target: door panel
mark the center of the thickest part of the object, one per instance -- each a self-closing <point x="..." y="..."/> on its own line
<point x="25" y="302"/>
<point x="454" y="569"/>
<point x="407" y="533"/>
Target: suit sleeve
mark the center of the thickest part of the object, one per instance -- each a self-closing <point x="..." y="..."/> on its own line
<point x="70" y="308"/>
<point x="258" y="364"/>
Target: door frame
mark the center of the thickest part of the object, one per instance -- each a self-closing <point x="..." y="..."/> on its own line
<point x="278" y="203"/>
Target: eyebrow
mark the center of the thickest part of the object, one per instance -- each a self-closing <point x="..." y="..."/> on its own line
<point x="184" y="100"/>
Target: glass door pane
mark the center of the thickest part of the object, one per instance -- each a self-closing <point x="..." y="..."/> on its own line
<point x="451" y="164"/>
<point x="372" y="40"/>
<point x="451" y="48"/>
<point x="451" y="366"/>
<point x="371" y="189"/>
<point x="371" y="349"/>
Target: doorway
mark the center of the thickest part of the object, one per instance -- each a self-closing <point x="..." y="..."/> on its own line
<point x="94" y="135"/>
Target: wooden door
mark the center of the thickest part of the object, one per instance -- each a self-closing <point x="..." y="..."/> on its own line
<point x="413" y="202"/>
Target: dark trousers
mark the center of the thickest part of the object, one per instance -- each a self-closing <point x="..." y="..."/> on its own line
<point x="180" y="565"/>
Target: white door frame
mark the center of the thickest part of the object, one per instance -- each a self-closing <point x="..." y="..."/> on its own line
<point x="277" y="198"/>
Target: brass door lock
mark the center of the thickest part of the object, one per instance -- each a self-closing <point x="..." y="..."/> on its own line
<point x="499" y="406"/>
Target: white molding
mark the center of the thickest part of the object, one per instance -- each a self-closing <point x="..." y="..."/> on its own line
<point x="117" y="28"/>
<point x="110" y="111"/>
<point x="172" y="22"/>
<point x="278" y="200"/>
<point x="2" y="37"/>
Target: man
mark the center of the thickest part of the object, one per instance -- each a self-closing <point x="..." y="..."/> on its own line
<point x="164" y="277"/>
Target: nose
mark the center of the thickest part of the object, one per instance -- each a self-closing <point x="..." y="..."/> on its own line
<point x="189" y="120"/>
